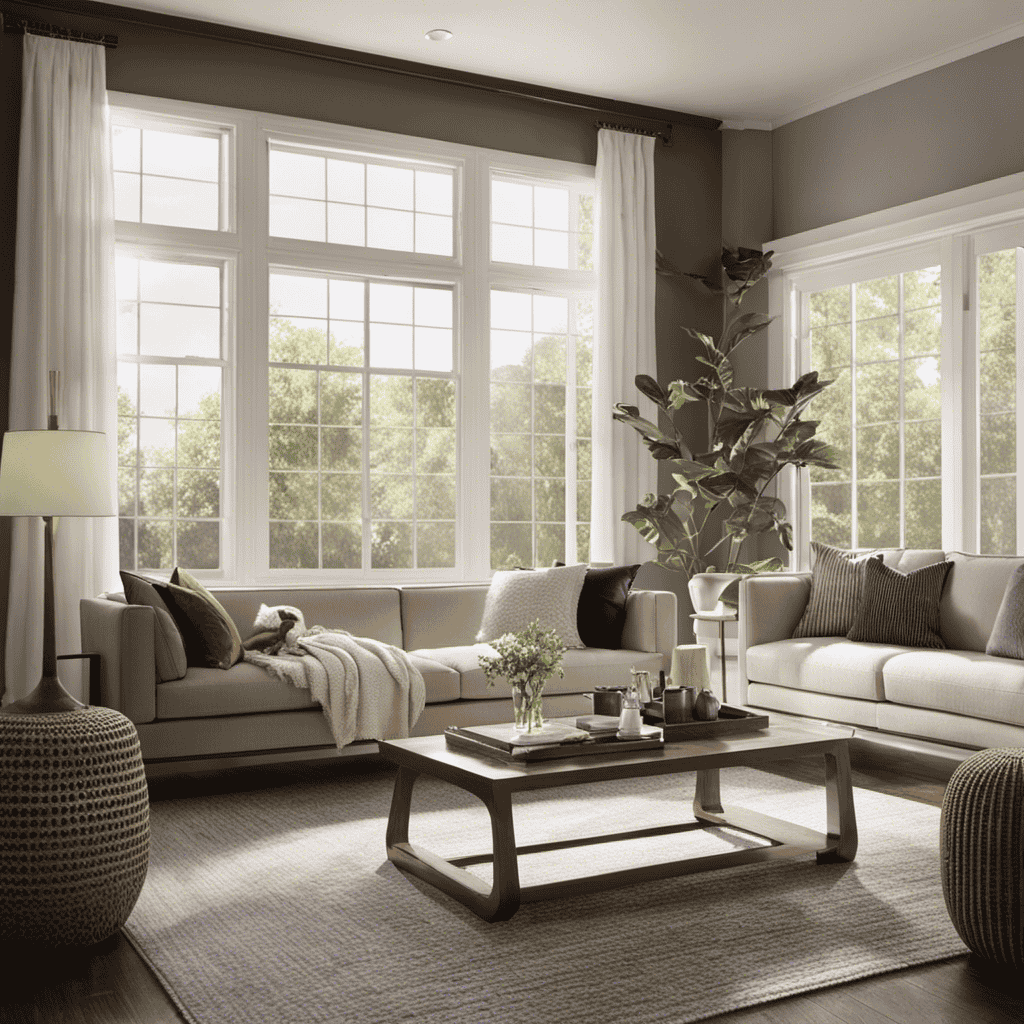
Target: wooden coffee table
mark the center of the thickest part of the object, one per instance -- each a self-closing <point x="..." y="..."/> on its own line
<point x="494" y="783"/>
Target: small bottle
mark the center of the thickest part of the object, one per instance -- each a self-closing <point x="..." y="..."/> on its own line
<point x="630" y="720"/>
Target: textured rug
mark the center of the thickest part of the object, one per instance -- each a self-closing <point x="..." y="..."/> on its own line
<point x="280" y="905"/>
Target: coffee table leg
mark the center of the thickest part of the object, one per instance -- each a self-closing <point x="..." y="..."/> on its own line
<point x="841" y="817"/>
<point x="505" y="886"/>
<point x="707" y="798"/>
<point x="401" y="802"/>
<point x="495" y="903"/>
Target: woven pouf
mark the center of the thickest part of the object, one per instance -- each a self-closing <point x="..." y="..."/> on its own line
<point x="74" y="826"/>
<point x="982" y="848"/>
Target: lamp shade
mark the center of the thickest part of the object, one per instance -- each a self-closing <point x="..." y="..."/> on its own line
<point x="55" y="473"/>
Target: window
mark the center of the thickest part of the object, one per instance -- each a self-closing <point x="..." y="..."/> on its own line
<point x="879" y="342"/>
<point x="915" y="313"/>
<point x="396" y="331"/>
<point x="998" y="274"/>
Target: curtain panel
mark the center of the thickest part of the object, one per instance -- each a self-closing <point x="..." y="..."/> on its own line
<point x="624" y="343"/>
<point x="64" y="319"/>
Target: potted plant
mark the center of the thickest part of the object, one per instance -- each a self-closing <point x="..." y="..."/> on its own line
<point x="723" y="495"/>
<point x="526" y="661"/>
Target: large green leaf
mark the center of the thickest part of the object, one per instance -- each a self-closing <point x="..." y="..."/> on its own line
<point x="742" y="327"/>
<point x="648" y="386"/>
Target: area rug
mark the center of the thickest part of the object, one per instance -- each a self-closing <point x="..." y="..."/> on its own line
<point x="280" y="905"/>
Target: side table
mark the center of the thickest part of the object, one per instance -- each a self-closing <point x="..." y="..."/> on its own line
<point x="721" y="620"/>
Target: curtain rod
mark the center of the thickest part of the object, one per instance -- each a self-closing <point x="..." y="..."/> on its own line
<point x="665" y="136"/>
<point x="108" y="12"/>
<point x="39" y="28"/>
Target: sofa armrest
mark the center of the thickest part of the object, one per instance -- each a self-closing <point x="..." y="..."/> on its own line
<point x="123" y="636"/>
<point x="770" y="606"/>
<point x="651" y="623"/>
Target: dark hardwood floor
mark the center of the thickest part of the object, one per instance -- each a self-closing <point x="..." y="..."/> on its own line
<point x="110" y="984"/>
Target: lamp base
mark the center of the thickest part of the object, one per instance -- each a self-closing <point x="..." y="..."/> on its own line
<point x="47" y="698"/>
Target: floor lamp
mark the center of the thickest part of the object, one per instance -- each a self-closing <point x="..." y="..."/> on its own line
<point x="74" y="807"/>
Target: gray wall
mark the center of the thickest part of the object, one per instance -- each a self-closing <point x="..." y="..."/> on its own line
<point x="957" y="125"/>
<point x="157" y="59"/>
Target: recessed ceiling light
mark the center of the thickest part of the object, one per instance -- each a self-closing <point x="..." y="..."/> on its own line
<point x="438" y="35"/>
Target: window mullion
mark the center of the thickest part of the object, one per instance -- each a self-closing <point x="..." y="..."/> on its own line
<point x="1019" y="352"/>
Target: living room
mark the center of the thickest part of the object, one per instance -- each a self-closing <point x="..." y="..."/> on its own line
<point x="915" y="122"/>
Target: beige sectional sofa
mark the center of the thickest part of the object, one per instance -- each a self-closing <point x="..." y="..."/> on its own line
<point x="959" y="697"/>
<point x="215" y="713"/>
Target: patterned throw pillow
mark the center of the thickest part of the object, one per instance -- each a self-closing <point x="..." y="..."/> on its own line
<point x="900" y="608"/>
<point x="836" y="581"/>
<point x="1007" y="639"/>
<point x="171" y="662"/>
<point x="551" y="596"/>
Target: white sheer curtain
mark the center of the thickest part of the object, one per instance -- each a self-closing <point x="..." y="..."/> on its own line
<point x="63" y="320"/>
<point x="623" y="341"/>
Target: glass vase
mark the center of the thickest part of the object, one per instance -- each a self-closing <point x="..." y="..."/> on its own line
<point x="528" y="706"/>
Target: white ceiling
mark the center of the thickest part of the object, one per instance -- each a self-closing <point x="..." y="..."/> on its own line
<point x="758" y="64"/>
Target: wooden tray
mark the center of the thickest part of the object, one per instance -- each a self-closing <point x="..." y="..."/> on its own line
<point x="463" y="739"/>
<point x="730" y="721"/>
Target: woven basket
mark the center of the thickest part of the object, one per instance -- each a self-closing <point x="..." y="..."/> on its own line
<point x="982" y="848"/>
<point x="74" y="826"/>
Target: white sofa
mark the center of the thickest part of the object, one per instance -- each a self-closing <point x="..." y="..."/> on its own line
<point x="213" y="713"/>
<point x="959" y="697"/>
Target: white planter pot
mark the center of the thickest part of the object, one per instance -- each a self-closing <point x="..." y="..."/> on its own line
<point x="706" y="590"/>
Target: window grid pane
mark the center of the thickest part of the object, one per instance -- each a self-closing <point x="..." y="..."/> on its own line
<point x="168" y="178"/>
<point x="344" y="200"/>
<point x="363" y="445"/>
<point x="169" y="419"/>
<point x="540" y="428"/>
<point x="997" y="392"/>
<point x="541" y="224"/>
<point x="878" y="341"/>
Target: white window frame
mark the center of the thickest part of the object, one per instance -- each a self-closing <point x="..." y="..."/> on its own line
<point x="246" y="242"/>
<point x="952" y="226"/>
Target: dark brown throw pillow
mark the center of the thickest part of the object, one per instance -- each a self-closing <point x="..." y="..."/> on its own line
<point x="900" y="608"/>
<point x="171" y="661"/>
<point x="210" y="636"/>
<point x="601" y="612"/>
<point x="1007" y="639"/>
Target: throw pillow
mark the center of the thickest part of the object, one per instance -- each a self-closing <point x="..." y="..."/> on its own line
<point x="210" y="636"/>
<point x="171" y="662"/>
<point x="1007" y="639"/>
<point x="551" y="596"/>
<point x="837" y="578"/>
<point x="601" y="613"/>
<point x="900" y="608"/>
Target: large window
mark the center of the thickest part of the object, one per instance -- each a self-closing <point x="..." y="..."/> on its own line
<point x="879" y="342"/>
<point x="915" y="314"/>
<point x="347" y="353"/>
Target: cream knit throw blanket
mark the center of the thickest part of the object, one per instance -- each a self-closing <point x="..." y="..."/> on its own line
<point x="368" y="690"/>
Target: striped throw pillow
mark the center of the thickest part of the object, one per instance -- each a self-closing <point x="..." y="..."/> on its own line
<point x="900" y="608"/>
<point x="836" y="581"/>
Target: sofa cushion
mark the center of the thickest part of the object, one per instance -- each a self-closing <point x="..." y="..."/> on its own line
<point x="837" y="581"/>
<point x="1007" y="637"/>
<point x="242" y="689"/>
<point x="900" y="608"/>
<point x="441" y="616"/>
<point x="601" y="612"/>
<point x="584" y="669"/>
<point x="246" y="689"/>
<point x="210" y="638"/>
<point x="823" y="664"/>
<point x="972" y="597"/>
<point x="171" y="661"/>
<point x="516" y="598"/>
<point x="961" y="682"/>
